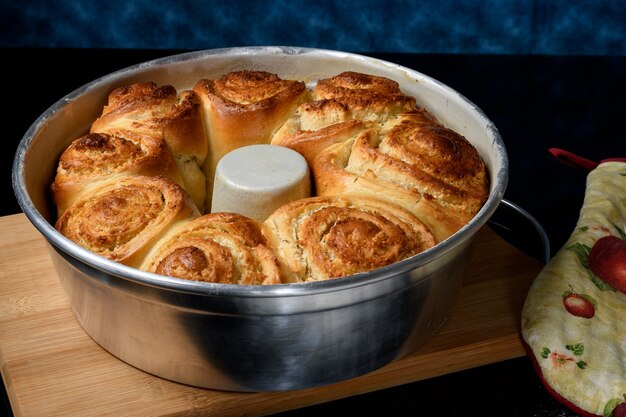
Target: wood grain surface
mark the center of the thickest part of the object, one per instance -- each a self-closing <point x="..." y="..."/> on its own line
<point x="51" y="367"/>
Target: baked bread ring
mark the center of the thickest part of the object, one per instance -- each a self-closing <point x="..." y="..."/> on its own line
<point x="390" y="181"/>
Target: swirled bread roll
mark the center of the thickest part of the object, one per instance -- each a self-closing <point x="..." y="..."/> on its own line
<point x="411" y="160"/>
<point x="225" y="248"/>
<point x="100" y="156"/>
<point x="366" y="97"/>
<point x="245" y="108"/>
<point x="122" y="218"/>
<point x="311" y="116"/>
<point x="163" y="113"/>
<point x="348" y="96"/>
<point x="322" y="238"/>
<point x="310" y="143"/>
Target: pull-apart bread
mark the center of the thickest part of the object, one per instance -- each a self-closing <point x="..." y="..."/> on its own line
<point x="389" y="181"/>
<point x="175" y="120"/>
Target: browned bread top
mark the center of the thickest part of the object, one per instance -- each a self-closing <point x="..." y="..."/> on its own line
<point x="390" y="179"/>
<point x="367" y="97"/>
<point x="219" y="247"/>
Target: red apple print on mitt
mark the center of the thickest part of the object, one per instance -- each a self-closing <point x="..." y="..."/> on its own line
<point x="615" y="407"/>
<point x="579" y="305"/>
<point x="607" y="260"/>
<point x="619" y="411"/>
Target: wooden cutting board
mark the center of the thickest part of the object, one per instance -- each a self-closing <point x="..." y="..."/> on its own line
<point x="51" y="367"/>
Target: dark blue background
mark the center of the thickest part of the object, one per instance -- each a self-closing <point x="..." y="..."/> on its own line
<point x="588" y="27"/>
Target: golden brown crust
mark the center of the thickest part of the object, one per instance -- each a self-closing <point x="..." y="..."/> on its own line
<point x="312" y="116"/>
<point x="98" y="156"/>
<point x="367" y="97"/>
<point x="131" y="105"/>
<point x="225" y="248"/>
<point x="245" y="108"/>
<point x="444" y="164"/>
<point x="363" y="138"/>
<point x="414" y="161"/>
<point x="309" y="143"/>
<point x="122" y="218"/>
<point x="160" y="112"/>
<point x="328" y="237"/>
<point x="341" y="105"/>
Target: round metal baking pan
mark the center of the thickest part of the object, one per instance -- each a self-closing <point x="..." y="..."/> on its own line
<point x="255" y="338"/>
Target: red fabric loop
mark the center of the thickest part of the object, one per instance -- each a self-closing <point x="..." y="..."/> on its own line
<point x="576" y="161"/>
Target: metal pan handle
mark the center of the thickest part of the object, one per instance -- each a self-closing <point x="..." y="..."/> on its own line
<point x="510" y="221"/>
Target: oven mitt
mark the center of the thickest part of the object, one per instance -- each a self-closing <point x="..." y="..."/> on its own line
<point x="574" y="317"/>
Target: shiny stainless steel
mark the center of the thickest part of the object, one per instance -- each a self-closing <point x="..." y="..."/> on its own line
<point x="255" y="338"/>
